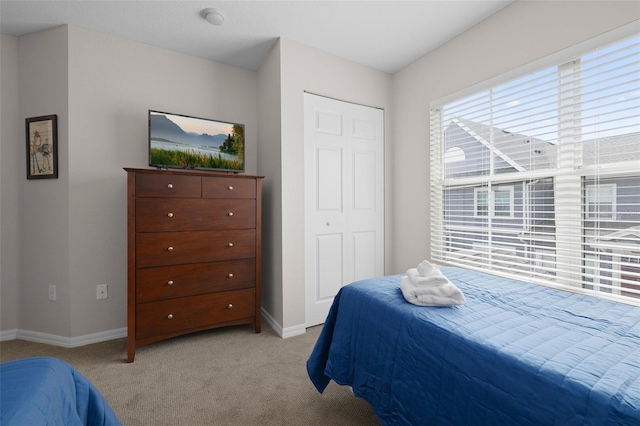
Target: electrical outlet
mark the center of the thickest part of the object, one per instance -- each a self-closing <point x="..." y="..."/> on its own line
<point x="52" y="292"/>
<point x="101" y="291"/>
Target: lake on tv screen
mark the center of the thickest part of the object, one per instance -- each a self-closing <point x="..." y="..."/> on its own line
<point x="172" y="146"/>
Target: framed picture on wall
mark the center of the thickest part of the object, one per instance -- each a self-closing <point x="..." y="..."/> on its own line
<point x="42" y="147"/>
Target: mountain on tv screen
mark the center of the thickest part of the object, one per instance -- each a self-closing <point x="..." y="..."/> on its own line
<point x="183" y="142"/>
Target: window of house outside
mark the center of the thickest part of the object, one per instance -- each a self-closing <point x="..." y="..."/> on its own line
<point x="495" y="203"/>
<point x="601" y="201"/>
<point x="538" y="177"/>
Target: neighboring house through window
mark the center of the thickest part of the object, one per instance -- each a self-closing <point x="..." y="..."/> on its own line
<point x="538" y="177"/>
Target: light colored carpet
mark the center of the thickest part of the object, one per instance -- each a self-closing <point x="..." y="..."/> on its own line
<point x="229" y="376"/>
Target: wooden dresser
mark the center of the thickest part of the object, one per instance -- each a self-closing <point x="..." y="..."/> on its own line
<point x="194" y="253"/>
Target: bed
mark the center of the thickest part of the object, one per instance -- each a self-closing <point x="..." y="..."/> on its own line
<point x="513" y="354"/>
<point x="49" y="391"/>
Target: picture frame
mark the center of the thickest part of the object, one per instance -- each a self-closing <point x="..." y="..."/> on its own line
<point x="42" y="147"/>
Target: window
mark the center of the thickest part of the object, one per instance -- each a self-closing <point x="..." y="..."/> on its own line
<point x="482" y="202"/>
<point x="495" y="203"/>
<point x="601" y="201"/>
<point x="454" y="154"/>
<point x="538" y="178"/>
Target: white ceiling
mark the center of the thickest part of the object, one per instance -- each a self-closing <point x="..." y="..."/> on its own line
<point x="385" y="35"/>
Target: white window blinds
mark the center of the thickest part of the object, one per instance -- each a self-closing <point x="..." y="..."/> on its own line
<point x="539" y="178"/>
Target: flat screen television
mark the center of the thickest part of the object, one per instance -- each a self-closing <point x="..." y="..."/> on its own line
<point x="183" y="142"/>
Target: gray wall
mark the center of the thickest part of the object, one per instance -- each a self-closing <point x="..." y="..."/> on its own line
<point x="270" y="166"/>
<point x="10" y="147"/>
<point x="44" y="204"/>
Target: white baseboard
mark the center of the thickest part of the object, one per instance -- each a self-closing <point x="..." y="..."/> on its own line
<point x="103" y="336"/>
<point x="8" y="335"/>
<point x="65" y="342"/>
<point x="283" y="332"/>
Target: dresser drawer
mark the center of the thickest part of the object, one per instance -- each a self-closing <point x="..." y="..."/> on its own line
<point x="167" y="316"/>
<point x="168" y="185"/>
<point x="175" y="214"/>
<point x="228" y="187"/>
<point x="175" y="248"/>
<point x="189" y="280"/>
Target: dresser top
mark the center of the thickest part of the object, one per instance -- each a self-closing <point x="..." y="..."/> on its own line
<point x="192" y="172"/>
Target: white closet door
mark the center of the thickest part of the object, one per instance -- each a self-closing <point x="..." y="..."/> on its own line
<point x="344" y="199"/>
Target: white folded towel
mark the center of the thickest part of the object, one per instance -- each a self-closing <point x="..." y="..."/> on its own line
<point x="435" y="277"/>
<point x="426" y="268"/>
<point x="446" y="294"/>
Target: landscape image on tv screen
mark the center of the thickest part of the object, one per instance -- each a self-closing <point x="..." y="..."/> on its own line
<point x="179" y="141"/>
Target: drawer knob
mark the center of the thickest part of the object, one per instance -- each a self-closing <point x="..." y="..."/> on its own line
<point x="230" y="245"/>
<point x="230" y="213"/>
<point x="170" y="186"/>
<point x="170" y="316"/>
<point x="230" y="275"/>
<point x="170" y="282"/>
<point x="230" y="306"/>
<point x="170" y="215"/>
<point x="231" y="188"/>
<point x="170" y="249"/>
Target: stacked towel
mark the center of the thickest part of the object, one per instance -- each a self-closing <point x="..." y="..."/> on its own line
<point x="426" y="286"/>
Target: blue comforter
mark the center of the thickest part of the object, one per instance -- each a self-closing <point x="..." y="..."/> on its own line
<point x="513" y="354"/>
<point x="48" y="391"/>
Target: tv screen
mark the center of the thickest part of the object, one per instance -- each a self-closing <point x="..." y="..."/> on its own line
<point x="182" y="142"/>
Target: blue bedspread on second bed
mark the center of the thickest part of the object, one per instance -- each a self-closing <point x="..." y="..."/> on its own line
<point x="513" y="354"/>
<point x="49" y="391"/>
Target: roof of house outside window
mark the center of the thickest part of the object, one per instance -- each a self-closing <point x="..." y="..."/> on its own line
<point x="524" y="153"/>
